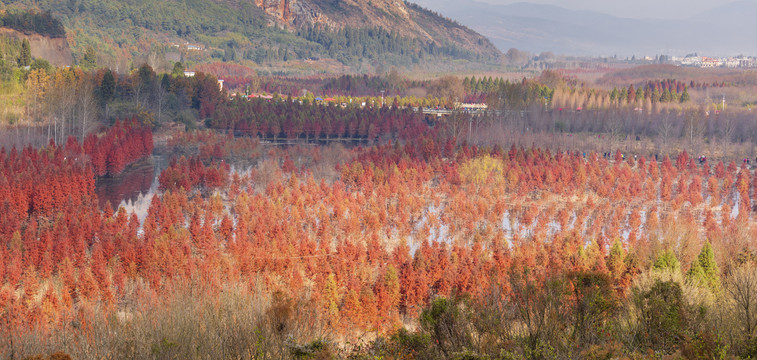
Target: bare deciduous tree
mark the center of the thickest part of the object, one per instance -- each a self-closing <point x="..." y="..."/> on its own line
<point x="87" y="107"/>
<point x="742" y="288"/>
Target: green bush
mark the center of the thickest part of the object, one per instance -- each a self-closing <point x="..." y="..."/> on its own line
<point x="317" y="349"/>
<point x="415" y="345"/>
<point x="704" y="346"/>
<point x="663" y="315"/>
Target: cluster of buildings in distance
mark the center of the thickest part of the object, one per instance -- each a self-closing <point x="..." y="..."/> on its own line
<point x="603" y="63"/>
<point x="715" y="62"/>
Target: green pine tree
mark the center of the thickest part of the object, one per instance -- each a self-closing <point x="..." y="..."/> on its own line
<point x="685" y="95"/>
<point x="26" y="54"/>
<point x="616" y="259"/>
<point x="667" y="261"/>
<point x="655" y="95"/>
<point x="107" y="87"/>
<point x="666" y="96"/>
<point x="704" y="270"/>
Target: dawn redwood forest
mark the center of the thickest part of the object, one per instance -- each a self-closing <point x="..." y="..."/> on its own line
<point x="154" y="212"/>
<point x="291" y="228"/>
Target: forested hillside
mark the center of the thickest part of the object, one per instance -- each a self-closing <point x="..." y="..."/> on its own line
<point x="42" y="23"/>
<point x="124" y="34"/>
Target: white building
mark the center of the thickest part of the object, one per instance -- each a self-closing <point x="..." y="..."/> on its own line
<point x="692" y="61"/>
<point x="732" y="63"/>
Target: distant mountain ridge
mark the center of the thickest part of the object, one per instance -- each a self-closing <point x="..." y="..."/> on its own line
<point x="357" y="33"/>
<point x="738" y="12"/>
<point x="726" y="29"/>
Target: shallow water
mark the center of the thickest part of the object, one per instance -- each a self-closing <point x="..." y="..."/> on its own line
<point x="138" y="181"/>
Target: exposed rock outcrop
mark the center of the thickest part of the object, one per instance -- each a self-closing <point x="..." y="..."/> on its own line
<point x="54" y="50"/>
<point x="293" y="12"/>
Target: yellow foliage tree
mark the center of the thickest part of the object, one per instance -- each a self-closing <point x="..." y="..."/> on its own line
<point x="36" y="85"/>
<point x="481" y="170"/>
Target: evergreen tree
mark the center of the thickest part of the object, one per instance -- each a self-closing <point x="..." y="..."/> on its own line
<point x="467" y="84"/>
<point x="666" y="96"/>
<point x="107" y="87"/>
<point x="685" y="95"/>
<point x="616" y="259"/>
<point x="667" y="261"/>
<point x="165" y="81"/>
<point x="26" y="54"/>
<point x="655" y="95"/>
<point x="178" y="69"/>
<point x="704" y="270"/>
<point x="622" y="95"/>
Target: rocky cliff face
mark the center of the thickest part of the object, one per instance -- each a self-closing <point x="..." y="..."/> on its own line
<point x="293" y="12"/>
<point x="54" y="50"/>
<point x="407" y="20"/>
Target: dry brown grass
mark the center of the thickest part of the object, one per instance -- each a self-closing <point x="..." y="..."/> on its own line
<point x="238" y="323"/>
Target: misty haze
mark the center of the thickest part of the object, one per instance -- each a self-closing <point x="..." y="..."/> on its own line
<point x="584" y="29"/>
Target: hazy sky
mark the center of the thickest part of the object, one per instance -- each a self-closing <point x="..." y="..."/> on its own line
<point x="665" y="9"/>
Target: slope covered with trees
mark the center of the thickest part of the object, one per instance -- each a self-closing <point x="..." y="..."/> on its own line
<point x="240" y="32"/>
<point x="42" y="23"/>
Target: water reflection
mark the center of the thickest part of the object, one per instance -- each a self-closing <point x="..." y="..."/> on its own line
<point x="137" y="182"/>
